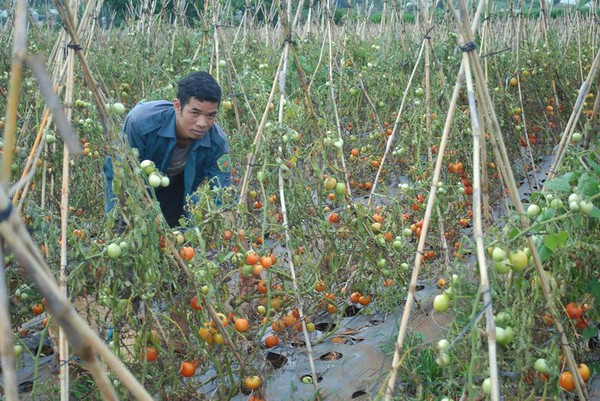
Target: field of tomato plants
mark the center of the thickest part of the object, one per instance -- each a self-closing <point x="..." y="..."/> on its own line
<point x="414" y="211"/>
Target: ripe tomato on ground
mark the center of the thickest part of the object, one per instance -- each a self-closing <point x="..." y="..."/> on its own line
<point x="271" y="341"/>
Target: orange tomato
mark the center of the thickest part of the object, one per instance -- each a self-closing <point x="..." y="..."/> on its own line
<point x="187" y="253"/>
<point x="567" y="381"/>
<point x="334" y="218"/>
<point x="354" y="297"/>
<point x="150" y="354"/>
<point x="573" y="310"/>
<point x="187" y="369"/>
<point x="38" y="309"/>
<point x="271" y="341"/>
<point x="584" y="371"/>
<point x="320" y="286"/>
<point x="266" y="261"/>
<point x="364" y="300"/>
<point x="261" y="287"/>
<point x="241" y="325"/>
<point x="252" y="258"/>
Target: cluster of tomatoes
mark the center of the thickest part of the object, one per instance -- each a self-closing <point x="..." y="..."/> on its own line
<point x="576" y="312"/>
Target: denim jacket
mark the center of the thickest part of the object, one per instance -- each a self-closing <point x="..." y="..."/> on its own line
<point x="150" y="127"/>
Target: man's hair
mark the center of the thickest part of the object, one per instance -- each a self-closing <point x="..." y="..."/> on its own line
<point x="200" y="85"/>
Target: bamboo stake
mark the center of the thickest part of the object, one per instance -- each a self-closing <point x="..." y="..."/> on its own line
<point x="38" y="138"/>
<point x="12" y="106"/>
<point x="7" y="351"/>
<point x="333" y="98"/>
<point x="478" y="231"/>
<point x="257" y="138"/>
<point x="390" y="140"/>
<point x="412" y="288"/>
<point x="228" y="68"/>
<point x="428" y="50"/>
<point x="99" y="100"/>
<point x="63" y="345"/>
<point x="288" y="247"/>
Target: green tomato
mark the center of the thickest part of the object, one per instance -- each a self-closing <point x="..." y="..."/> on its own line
<point x="441" y="303"/>
<point x="154" y="180"/>
<point x="486" y="386"/>
<point x="519" y="260"/>
<point x="502" y="267"/>
<point x="147" y="166"/>
<point x="510" y="335"/>
<point x="500" y="335"/>
<point x="533" y="210"/>
<point x="330" y="183"/>
<point x="502" y="319"/>
<point x="498" y="254"/>
<point x="116" y="108"/>
<point x="576" y="137"/>
<point x="586" y="207"/>
<point x="114" y="250"/>
<point x="443" y="344"/>
<point x="397" y="245"/>
<point x="541" y="366"/>
<point x="443" y="359"/>
<point x="556" y="204"/>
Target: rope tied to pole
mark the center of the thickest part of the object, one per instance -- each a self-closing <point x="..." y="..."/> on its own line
<point x="5" y="214"/>
<point x="468" y="47"/>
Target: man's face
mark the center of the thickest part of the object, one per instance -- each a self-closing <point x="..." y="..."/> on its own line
<point x="193" y="120"/>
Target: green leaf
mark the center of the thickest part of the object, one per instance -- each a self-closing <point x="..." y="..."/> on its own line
<point x="562" y="237"/>
<point x="595" y="213"/>
<point x="571" y="177"/>
<point x="594" y="289"/>
<point x="589" y="332"/>
<point x="588" y="185"/>
<point x="513" y="233"/>
<point x="558" y="184"/>
<point x="551" y="242"/>
<point x="544" y="253"/>
<point x="593" y="164"/>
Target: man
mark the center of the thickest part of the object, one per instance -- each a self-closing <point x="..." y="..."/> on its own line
<point x="183" y="141"/>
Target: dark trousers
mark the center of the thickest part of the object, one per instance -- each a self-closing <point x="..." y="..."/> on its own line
<point x="171" y="200"/>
